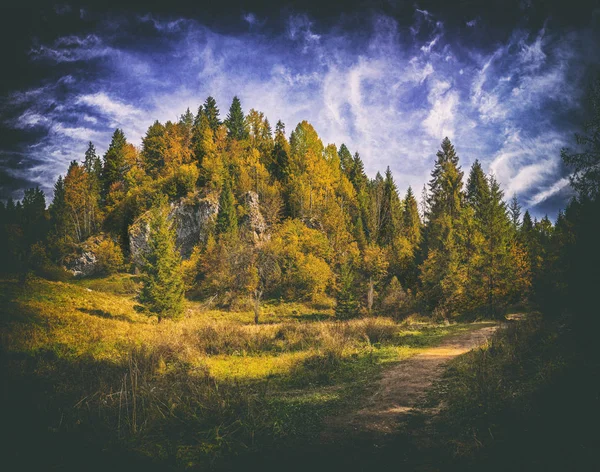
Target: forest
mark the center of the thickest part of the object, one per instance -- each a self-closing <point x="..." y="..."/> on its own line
<point x="172" y="299"/>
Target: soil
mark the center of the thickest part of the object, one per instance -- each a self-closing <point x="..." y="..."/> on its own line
<point x="402" y="387"/>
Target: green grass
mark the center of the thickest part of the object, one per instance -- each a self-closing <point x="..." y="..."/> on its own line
<point x="189" y="392"/>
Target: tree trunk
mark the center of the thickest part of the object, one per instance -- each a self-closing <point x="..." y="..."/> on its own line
<point x="257" y="296"/>
<point x="370" y="295"/>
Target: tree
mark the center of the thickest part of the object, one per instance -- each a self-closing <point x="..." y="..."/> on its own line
<point x="391" y="212"/>
<point x="478" y="189"/>
<point x="346" y="304"/>
<point x="346" y="161"/>
<point x="279" y="167"/>
<point x="374" y="266"/>
<point x="411" y="221"/>
<point x="235" y="122"/>
<point x="211" y="112"/>
<point x="227" y="222"/>
<point x="154" y="148"/>
<point x="162" y="284"/>
<point x="585" y="178"/>
<point x="514" y="210"/>
<point x="445" y="186"/>
<point x="115" y="163"/>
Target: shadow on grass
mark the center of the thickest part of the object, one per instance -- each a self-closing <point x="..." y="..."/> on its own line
<point x="311" y="317"/>
<point x="105" y="315"/>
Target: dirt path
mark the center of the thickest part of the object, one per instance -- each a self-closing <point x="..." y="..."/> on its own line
<point x="402" y="386"/>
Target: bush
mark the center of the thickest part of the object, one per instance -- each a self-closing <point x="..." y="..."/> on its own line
<point x="109" y="256"/>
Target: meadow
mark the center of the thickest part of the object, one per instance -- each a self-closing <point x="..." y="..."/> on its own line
<point x="81" y="362"/>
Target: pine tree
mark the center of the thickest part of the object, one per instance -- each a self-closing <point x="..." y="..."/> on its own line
<point x="115" y="165"/>
<point x="496" y="231"/>
<point x="445" y="186"/>
<point x="346" y="160"/>
<point x="411" y="221"/>
<point x="391" y="211"/>
<point x="211" y="112"/>
<point x="235" y="122"/>
<point x="227" y="223"/>
<point x="279" y="167"/>
<point x="154" y="148"/>
<point x="346" y="304"/>
<point x="162" y="291"/>
<point x="478" y="189"/>
<point x="514" y="209"/>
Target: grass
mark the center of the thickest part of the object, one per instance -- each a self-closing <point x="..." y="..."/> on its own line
<point x="81" y="361"/>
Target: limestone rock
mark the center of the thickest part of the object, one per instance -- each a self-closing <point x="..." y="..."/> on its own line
<point x="191" y="217"/>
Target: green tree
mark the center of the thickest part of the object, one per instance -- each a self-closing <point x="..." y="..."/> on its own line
<point x="235" y="121"/>
<point x="346" y="304"/>
<point x="162" y="283"/>
<point x="154" y="148"/>
<point x="211" y="112"/>
<point x="115" y="164"/>
<point x="227" y="223"/>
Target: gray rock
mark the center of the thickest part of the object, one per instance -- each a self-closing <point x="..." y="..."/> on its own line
<point x="254" y="218"/>
<point x="84" y="265"/>
<point x="191" y="217"/>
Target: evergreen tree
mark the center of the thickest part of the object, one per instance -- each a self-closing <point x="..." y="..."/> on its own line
<point x="162" y="291"/>
<point x="411" y="221"/>
<point x="346" y="304"/>
<point x="211" y="112"/>
<point x="114" y="167"/>
<point x="445" y="186"/>
<point x="346" y="160"/>
<point x="279" y="167"/>
<point x="390" y="212"/>
<point x="514" y="210"/>
<point x="227" y="223"/>
<point x="478" y="189"/>
<point x="496" y="232"/>
<point x="235" y="121"/>
<point x="154" y="148"/>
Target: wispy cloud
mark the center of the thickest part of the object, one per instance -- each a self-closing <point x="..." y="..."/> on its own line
<point x="391" y="93"/>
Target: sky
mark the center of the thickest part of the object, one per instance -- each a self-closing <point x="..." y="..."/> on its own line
<point x="505" y="81"/>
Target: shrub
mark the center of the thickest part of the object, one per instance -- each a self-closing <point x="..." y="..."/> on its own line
<point x="109" y="256"/>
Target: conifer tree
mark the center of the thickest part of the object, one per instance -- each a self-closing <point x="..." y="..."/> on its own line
<point x="227" y="223"/>
<point x="478" y="189"/>
<point x="154" y="147"/>
<point x="390" y="212"/>
<point x="279" y="166"/>
<point x="514" y="209"/>
<point x="211" y="112"/>
<point x="346" y="304"/>
<point x="162" y="291"/>
<point x="496" y="232"/>
<point x="346" y="160"/>
<point x="445" y="186"/>
<point x="411" y="221"/>
<point x="235" y="121"/>
<point x="114" y="167"/>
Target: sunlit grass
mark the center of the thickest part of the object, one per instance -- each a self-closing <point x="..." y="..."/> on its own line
<point x="236" y="384"/>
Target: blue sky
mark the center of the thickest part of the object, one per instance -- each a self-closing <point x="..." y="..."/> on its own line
<point x="389" y="87"/>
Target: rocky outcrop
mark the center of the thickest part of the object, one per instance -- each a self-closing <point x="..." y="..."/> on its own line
<point x="83" y="265"/>
<point x="191" y="216"/>
<point x="254" y="218"/>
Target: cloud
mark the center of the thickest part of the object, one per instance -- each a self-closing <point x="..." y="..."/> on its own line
<point x="389" y="92"/>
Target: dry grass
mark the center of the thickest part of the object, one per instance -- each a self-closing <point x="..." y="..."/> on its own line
<point x="211" y="384"/>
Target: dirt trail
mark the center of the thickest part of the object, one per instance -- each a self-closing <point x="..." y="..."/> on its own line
<point x="402" y="386"/>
